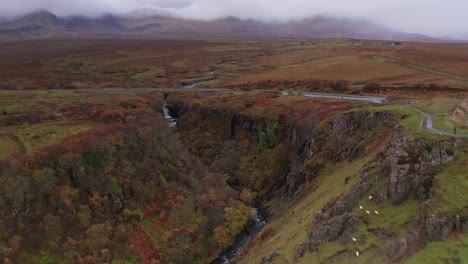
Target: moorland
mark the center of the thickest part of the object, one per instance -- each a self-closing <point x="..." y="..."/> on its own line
<point x="96" y="175"/>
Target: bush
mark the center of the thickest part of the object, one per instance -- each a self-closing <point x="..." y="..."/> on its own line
<point x="450" y="152"/>
<point x="266" y="231"/>
<point x="263" y="144"/>
<point x="340" y="85"/>
<point x="429" y="147"/>
<point x="371" y="87"/>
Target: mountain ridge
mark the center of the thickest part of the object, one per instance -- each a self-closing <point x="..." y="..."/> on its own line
<point x="148" y="23"/>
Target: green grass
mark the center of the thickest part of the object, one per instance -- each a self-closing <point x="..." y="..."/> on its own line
<point x="394" y="216"/>
<point x="21" y="108"/>
<point x="442" y="121"/>
<point x="412" y="121"/>
<point x="180" y="63"/>
<point x="450" y="188"/>
<point x="442" y="107"/>
<point x="45" y="258"/>
<point x="443" y="252"/>
<point x="151" y="73"/>
<point x="8" y="146"/>
<point x="439" y="105"/>
<point x="44" y="134"/>
<point x="294" y="224"/>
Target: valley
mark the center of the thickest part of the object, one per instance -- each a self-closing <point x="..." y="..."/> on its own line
<point x="164" y="151"/>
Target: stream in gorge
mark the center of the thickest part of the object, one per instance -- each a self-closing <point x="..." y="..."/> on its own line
<point x="255" y="224"/>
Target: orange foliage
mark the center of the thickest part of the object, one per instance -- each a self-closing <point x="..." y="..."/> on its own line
<point x="266" y="231"/>
<point x="146" y="252"/>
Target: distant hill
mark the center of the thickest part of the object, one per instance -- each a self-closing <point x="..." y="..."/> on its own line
<point x="149" y="23"/>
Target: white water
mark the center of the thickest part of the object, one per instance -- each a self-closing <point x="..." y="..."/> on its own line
<point x="255" y="226"/>
<point x="172" y="122"/>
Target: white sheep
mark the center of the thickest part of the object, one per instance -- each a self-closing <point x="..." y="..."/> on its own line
<point x="357" y="253"/>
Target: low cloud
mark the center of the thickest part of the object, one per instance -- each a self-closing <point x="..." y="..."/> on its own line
<point x="434" y="17"/>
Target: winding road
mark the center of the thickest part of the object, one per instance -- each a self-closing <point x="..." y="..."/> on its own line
<point x="430" y="120"/>
<point x="371" y="99"/>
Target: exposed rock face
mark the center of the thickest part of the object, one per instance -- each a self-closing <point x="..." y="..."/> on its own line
<point x="332" y="231"/>
<point x="345" y="138"/>
<point x="404" y="246"/>
<point x="343" y="224"/>
<point x="352" y="132"/>
<point x="269" y="258"/>
<point x="354" y="121"/>
<point x="437" y="227"/>
<point x="350" y="200"/>
<point x="408" y="164"/>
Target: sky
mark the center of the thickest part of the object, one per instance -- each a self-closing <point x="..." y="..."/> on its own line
<point x="448" y="18"/>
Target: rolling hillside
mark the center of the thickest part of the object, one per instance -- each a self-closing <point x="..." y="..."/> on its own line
<point x="152" y="24"/>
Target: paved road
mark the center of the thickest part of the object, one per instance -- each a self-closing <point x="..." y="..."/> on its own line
<point x="372" y="99"/>
<point x="430" y="120"/>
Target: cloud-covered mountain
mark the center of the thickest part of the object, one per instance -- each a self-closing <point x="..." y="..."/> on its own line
<point x="155" y="23"/>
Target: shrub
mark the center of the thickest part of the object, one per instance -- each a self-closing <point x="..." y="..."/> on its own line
<point x="371" y="87"/>
<point x="429" y="147"/>
<point x="262" y="143"/>
<point x="450" y="152"/>
<point x="266" y="231"/>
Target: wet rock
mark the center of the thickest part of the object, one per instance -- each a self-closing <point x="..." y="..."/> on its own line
<point x="343" y="225"/>
<point x="458" y="222"/>
<point x="437" y="227"/>
<point x="407" y="166"/>
<point x="350" y="200"/>
<point x="382" y="232"/>
<point x="360" y="120"/>
<point x="350" y="228"/>
<point x="300" y="252"/>
<point x="269" y="258"/>
<point x="316" y="236"/>
<point x="404" y="246"/>
<point x="337" y="227"/>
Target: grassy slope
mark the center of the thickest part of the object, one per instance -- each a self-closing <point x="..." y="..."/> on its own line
<point x="30" y="137"/>
<point x="450" y="251"/>
<point x="442" y="108"/>
<point x="44" y="134"/>
<point x="291" y="227"/>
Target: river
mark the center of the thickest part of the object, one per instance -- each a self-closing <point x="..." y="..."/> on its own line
<point x="254" y="227"/>
<point x="255" y="224"/>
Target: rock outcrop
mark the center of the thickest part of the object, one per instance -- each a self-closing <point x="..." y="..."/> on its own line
<point x="334" y="220"/>
<point x="437" y="227"/>
<point x="409" y="166"/>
